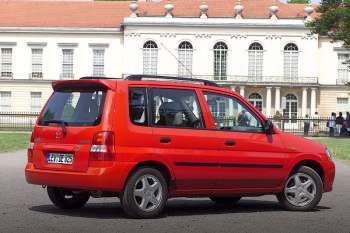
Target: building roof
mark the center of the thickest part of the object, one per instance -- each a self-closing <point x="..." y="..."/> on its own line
<point x="106" y="14"/>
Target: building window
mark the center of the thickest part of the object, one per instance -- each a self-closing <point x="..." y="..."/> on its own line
<point x="98" y="62"/>
<point x="35" y="101"/>
<point x="291" y="110"/>
<point x="256" y="100"/>
<point x="185" y="59"/>
<point x="343" y="105"/>
<point x="6" y="62"/>
<point x="5" y="101"/>
<point x="220" y="61"/>
<point x="343" y="68"/>
<point x="150" y="58"/>
<point x="67" y="64"/>
<point x="291" y="61"/>
<point x="255" y="61"/>
<point x="37" y="63"/>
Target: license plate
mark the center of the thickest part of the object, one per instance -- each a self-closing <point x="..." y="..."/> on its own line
<point x="59" y="158"/>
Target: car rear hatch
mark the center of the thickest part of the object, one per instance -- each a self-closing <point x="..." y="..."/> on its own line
<point x="68" y="123"/>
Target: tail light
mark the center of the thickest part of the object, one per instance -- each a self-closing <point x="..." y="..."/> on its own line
<point x="30" y="149"/>
<point x="102" y="148"/>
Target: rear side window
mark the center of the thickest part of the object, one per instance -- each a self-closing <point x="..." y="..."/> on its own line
<point x="74" y="108"/>
<point x="176" y="108"/>
<point x="137" y="106"/>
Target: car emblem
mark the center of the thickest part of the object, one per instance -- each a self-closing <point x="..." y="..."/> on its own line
<point x="59" y="134"/>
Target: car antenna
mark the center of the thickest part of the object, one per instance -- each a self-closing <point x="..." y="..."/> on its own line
<point x="181" y="63"/>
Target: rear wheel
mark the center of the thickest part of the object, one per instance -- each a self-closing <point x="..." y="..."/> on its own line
<point x="67" y="199"/>
<point x="225" y="200"/>
<point x="145" y="193"/>
<point x="303" y="190"/>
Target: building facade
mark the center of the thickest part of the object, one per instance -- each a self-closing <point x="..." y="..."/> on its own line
<point x="259" y="48"/>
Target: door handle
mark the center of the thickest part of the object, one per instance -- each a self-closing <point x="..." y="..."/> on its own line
<point x="230" y="143"/>
<point x="165" y="140"/>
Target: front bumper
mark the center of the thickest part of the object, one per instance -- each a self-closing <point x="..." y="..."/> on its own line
<point x="329" y="176"/>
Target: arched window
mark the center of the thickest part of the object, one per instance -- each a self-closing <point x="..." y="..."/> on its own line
<point x="185" y="59"/>
<point x="255" y="61"/>
<point x="150" y="57"/>
<point x="256" y="100"/>
<point x="291" y="61"/>
<point x="291" y="110"/>
<point x="220" y="61"/>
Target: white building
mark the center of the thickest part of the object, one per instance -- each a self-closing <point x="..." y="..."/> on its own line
<point x="260" y="48"/>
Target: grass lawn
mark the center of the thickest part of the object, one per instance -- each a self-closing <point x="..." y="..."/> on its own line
<point x="13" y="141"/>
<point x="339" y="146"/>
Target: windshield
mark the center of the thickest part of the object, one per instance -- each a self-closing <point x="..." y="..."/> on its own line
<point x="74" y="108"/>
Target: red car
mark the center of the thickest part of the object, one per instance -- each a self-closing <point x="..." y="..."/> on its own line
<point x="145" y="139"/>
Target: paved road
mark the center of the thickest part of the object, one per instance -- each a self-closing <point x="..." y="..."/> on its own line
<point x="26" y="208"/>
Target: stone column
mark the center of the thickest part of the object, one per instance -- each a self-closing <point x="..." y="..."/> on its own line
<point x="268" y="101"/>
<point x="313" y="101"/>
<point x="304" y="103"/>
<point x="241" y="90"/>
<point x="277" y="99"/>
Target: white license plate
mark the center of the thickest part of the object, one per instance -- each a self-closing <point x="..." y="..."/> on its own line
<point x="59" y="158"/>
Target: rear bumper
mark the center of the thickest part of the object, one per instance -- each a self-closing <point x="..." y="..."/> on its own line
<point x="329" y="176"/>
<point x="95" y="178"/>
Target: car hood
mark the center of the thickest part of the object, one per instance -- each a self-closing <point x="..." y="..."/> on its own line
<point x="302" y="145"/>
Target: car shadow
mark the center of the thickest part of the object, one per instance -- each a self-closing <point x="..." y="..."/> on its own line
<point x="174" y="208"/>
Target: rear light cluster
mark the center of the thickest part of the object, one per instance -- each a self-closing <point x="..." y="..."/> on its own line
<point x="102" y="148"/>
<point x="30" y="149"/>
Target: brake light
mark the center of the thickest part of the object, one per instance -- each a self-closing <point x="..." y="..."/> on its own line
<point x="30" y="149"/>
<point x="102" y="148"/>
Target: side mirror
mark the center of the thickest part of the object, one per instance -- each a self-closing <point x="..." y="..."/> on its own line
<point x="268" y="127"/>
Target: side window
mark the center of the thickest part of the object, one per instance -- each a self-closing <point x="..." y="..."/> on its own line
<point x="138" y="106"/>
<point x="176" y="108"/>
<point x="229" y="114"/>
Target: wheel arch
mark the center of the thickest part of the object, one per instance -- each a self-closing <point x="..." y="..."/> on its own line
<point x="160" y="166"/>
<point x="315" y="165"/>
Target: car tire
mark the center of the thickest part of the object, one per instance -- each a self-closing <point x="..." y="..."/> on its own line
<point x="145" y="193"/>
<point x="66" y="199"/>
<point x="225" y="200"/>
<point x="302" y="191"/>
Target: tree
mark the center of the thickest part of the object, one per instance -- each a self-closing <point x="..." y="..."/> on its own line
<point x="334" y="20"/>
<point x="298" y="1"/>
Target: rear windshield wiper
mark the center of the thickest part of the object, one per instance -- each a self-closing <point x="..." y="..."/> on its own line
<point x="62" y="123"/>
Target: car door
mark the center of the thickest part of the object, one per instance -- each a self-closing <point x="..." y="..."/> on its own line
<point x="247" y="156"/>
<point x="181" y="138"/>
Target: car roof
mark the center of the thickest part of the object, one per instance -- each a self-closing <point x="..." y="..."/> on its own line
<point x="152" y="80"/>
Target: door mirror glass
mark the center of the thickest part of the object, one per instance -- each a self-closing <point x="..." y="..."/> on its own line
<point x="268" y="127"/>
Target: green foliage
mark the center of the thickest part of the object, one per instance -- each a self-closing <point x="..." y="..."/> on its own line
<point x="340" y="147"/>
<point x="334" y="20"/>
<point x="298" y="1"/>
<point x="13" y="141"/>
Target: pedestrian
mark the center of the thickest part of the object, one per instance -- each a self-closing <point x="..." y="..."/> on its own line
<point x="306" y="125"/>
<point x="339" y="121"/>
<point x="278" y="119"/>
<point x="316" y="124"/>
<point x="347" y="121"/>
<point x="331" y="124"/>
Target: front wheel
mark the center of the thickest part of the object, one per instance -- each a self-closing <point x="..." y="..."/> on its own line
<point x="145" y="193"/>
<point x="303" y="190"/>
<point x="225" y="200"/>
<point x="67" y="199"/>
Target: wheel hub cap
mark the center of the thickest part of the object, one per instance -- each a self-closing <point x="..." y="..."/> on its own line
<point x="300" y="189"/>
<point x="148" y="193"/>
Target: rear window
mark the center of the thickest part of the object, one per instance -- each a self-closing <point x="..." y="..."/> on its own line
<point x="74" y="108"/>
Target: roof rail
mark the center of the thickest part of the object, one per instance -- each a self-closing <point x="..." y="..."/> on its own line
<point x="94" y="77"/>
<point x="139" y="77"/>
